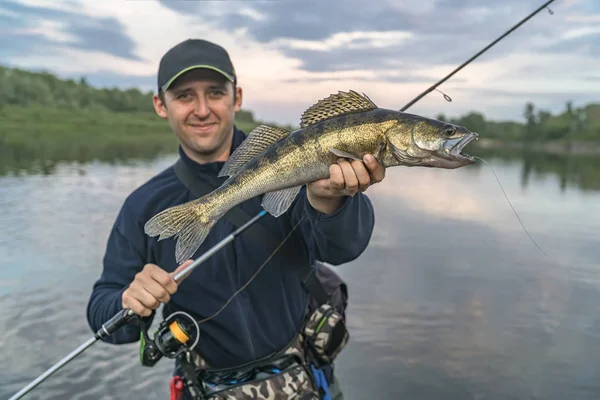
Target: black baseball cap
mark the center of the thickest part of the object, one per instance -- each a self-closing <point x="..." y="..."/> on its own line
<point x="191" y="54"/>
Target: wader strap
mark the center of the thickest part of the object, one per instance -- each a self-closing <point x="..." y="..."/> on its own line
<point x="313" y="284"/>
<point x="238" y="217"/>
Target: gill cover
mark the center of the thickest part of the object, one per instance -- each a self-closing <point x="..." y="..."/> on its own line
<point x="411" y="156"/>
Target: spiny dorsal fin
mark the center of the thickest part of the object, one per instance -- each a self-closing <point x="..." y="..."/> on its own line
<point x="342" y="103"/>
<point x="257" y="141"/>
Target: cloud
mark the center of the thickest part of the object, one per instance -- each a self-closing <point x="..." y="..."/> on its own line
<point x="334" y="35"/>
<point x="43" y="27"/>
<point x="375" y="76"/>
<point x="305" y="20"/>
<point x="290" y="54"/>
<point x="583" y="40"/>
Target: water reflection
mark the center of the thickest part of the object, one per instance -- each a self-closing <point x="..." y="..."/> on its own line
<point x="579" y="170"/>
<point x="28" y="159"/>
<point x="450" y="300"/>
<point x="460" y="308"/>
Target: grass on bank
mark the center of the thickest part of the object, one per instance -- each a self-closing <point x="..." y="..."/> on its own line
<point x="43" y="129"/>
<point x="35" y="138"/>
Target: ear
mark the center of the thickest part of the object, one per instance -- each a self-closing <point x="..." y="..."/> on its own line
<point x="238" y="99"/>
<point x="159" y="106"/>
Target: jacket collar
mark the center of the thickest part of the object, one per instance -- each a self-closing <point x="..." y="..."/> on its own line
<point x="211" y="169"/>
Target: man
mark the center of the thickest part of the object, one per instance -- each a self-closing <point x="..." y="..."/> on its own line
<point x="199" y="96"/>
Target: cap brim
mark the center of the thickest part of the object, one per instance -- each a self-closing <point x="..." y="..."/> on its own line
<point x="170" y="81"/>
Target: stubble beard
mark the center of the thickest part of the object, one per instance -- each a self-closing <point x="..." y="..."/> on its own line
<point x="217" y="145"/>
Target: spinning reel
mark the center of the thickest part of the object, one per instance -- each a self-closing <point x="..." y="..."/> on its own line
<point x="170" y="339"/>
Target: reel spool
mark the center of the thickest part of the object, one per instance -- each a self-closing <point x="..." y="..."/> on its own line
<point x="170" y="339"/>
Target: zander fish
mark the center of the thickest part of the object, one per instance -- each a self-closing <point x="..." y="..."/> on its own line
<point x="275" y="162"/>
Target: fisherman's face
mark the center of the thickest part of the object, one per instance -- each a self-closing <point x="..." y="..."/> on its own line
<point x="201" y="107"/>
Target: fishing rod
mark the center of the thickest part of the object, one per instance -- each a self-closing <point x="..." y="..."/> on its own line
<point x="125" y="316"/>
<point x="171" y="336"/>
<point x="434" y="86"/>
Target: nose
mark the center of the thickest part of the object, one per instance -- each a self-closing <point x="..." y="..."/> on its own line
<point x="202" y="110"/>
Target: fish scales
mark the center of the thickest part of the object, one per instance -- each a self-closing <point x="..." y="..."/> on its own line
<point x="305" y="157"/>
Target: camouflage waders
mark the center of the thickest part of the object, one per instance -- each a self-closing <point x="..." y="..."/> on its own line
<point x="287" y="374"/>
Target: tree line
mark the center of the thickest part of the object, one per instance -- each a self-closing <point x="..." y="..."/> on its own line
<point x="572" y="124"/>
<point x="22" y="88"/>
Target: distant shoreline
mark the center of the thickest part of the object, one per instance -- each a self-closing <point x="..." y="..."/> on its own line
<point x="549" y="147"/>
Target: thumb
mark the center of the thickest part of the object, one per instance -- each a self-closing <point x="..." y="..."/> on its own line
<point x="181" y="267"/>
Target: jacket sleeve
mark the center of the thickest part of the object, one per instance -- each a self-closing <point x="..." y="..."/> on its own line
<point x="339" y="237"/>
<point x="124" y="258"/>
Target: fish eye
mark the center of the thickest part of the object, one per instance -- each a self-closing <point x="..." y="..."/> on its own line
<point x="449" y="129"/>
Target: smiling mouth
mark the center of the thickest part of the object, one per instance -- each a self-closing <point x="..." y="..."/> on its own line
<point x="203" y="126"/>
<point x="457" y="149"/>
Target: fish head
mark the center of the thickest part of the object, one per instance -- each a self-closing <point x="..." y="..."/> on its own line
<point x="431" y="143"/>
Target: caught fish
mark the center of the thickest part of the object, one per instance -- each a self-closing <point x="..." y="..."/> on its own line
<point x="277" y="163"/>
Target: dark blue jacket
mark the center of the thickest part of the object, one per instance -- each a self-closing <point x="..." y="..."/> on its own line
<point x="264" y="316"/>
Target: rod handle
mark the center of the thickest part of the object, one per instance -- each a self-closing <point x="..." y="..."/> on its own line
<point x="115" y="323"/>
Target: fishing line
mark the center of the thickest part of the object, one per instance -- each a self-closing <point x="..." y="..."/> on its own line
<point x="570" y="268"/>
<point x="511" y="206"/>
<point x="254" y="275"/>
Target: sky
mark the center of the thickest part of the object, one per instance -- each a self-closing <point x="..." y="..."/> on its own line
<point x="291" y="53"/>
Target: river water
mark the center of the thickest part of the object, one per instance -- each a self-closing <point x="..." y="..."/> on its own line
<point x="451" y="299"/>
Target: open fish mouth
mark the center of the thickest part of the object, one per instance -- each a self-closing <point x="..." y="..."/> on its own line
<point x="457" y="149"/>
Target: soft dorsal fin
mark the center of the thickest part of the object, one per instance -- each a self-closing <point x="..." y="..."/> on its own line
<point x="257" y="141"/>
<point x="342" y="103"/>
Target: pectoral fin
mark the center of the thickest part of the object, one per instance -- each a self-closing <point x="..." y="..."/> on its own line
<point x="277" y="203"/>
<point x="344" y="154"/>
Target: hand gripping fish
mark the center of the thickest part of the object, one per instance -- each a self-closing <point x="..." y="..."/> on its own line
<point x="275" y="162"/>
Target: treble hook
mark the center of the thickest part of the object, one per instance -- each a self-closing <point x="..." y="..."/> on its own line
<point x="550" y="11"/>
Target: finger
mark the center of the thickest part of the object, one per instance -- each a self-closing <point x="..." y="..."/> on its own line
<point x="362" y="174"/>
<point x="154" y="280"/>
<point x="350" y="178"/>
<point x="148" y="300"/>
<point x="128" y="300"/>
<point x="157" y="290"/>
<point x="140" y="294"/>
<point x="156" y="274"/>
<point x="336" y="177"/>
<point x="375" y="168"/>
<point x="136" y="306"/>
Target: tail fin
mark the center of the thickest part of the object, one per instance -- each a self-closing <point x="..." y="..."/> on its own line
<point x="190" y="223"/>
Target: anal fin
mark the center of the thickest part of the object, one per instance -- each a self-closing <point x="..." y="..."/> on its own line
<point x="278" y="202"/>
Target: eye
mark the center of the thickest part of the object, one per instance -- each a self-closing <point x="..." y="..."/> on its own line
<point x="217" y="93"/>
<point x="449" y="130"/>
